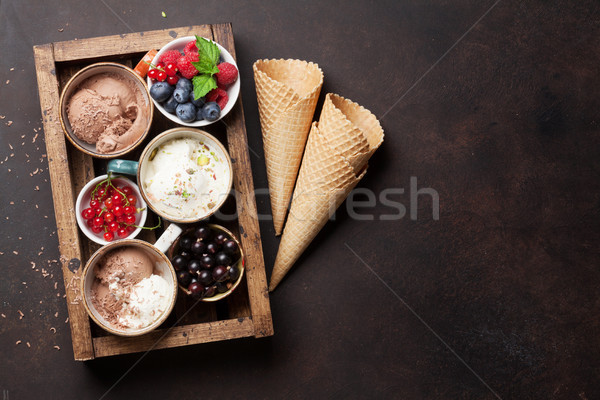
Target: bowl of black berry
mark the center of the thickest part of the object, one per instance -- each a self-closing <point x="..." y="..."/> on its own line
<point x="209" y="262"/>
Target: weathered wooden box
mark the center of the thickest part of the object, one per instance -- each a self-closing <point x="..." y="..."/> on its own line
<point x="247" y="311"/>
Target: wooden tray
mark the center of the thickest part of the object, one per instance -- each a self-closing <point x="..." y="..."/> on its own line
<point x="246" y="312"/>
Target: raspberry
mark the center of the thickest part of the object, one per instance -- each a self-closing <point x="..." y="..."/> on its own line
<point x="221" y="86"/>
<point x="193" y="56"/>
<point x="190" y="48"/>
<point x="227" y="74"/>
<point x="186" y="69"/>
<point x="218" y="95"/>
<point x="170" y="56"/>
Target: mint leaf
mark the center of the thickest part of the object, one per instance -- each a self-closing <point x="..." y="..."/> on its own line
<point x="203" y="84"/>
<point x="207" y="49"/>
<point x="205" y="67"/>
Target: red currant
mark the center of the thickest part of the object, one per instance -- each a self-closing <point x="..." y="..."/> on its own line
<point x="171" y="69"/>
<point x="152" y="73"/>
<point x="130" y="228"/>
<point x="172" y="80"/>
<point x="130" y="219"/>
<point x="100" y="194"/>
<point x="109" y="236"/>
<point x="128" y="210"/>
<point x="161" y="76"/>
<point x="160" y="65"/>
<point x="127" y="190"/>
<point x="132" y="200"/>
<point x="98" y="221"/>
<point x="117" y="199"/>
<point x="113" y="226"/>
<point x="117" y="210"/>
<point x="109" y="217"/>
<point x="109" y="203"/>
<point x="122" y="232"/>
<point x="97" y="229"/>
<point x="90" y="222"/>
<point x="120" y="218"/>
<point x="88" y="213"/>
<point x="95" y="203"/>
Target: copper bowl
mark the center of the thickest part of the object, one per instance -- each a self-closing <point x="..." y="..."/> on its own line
<point x="162" y="265"/>
<point x="87" y="72"/>
<point x="241" y="263"/>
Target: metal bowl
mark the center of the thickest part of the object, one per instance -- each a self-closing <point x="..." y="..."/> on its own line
<point x="241" y="263"/>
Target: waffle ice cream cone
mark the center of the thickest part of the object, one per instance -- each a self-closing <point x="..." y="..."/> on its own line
<point x="325" y="181"/>
<point x="287" y="92"/>
<point x="334" y="161"/>
<point x="351" y="130"/>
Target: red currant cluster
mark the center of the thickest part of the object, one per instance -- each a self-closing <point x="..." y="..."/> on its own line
<point x="162" y="73"/>
<point x="112" y="210"/>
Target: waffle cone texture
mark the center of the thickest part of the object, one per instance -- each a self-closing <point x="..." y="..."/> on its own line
<point x="335" y="160"/>
<point x="287" y="93"/>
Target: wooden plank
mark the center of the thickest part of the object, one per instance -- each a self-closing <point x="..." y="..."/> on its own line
<point x="121" y="45"/>
<point x="246" y="203"/>
<point x="62" y="194"/>
<point x="191" y="311"/>
<point x="176" y="336"/>
<point x="237" y="302"/>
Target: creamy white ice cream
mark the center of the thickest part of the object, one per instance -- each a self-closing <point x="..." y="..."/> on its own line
<point x="143" y="302"/>
<point x="186" y="178"/>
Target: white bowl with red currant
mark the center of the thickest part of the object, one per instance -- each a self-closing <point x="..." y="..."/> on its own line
<point x="193" y="81"/>
<point x="109" y="208"/>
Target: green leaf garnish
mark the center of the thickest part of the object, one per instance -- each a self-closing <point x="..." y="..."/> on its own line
<point x="207" y="49"/>
<point x="205" y="67"/>
<point x="203" y="84"/>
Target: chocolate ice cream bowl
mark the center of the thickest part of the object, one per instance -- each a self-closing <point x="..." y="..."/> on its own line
<point x="142" y="116"/>
<point x="233" y="90"/>
<point x="161" y="267"/>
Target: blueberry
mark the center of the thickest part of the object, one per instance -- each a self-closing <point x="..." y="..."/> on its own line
<point x="184" y="84"/>
<point x="181" y="95"/>
<point x="161" y="91"/>
<point x="198" y="103"/>
<point x="186" y="112"/>
<point x="170" y="105"/>
<point x="199" y="114"/>
<point x="211" y="111"/>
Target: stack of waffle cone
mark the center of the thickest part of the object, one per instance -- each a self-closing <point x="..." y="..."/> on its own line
<point x="335" y="160"/>
<point x="287" y="92"/>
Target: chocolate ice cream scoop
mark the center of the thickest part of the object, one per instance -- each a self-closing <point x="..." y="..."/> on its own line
<point x="106" y="110"/>
<point x="127" y="265"/>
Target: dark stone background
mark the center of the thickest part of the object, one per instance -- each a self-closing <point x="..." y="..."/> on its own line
<point x="499" y="297"/>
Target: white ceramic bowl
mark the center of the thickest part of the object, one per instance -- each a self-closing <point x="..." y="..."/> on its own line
<point x="233" y="91"/>
<point x="83" y="201"/>
<point x="87" y="72"/>
<point x="162" y="266"/>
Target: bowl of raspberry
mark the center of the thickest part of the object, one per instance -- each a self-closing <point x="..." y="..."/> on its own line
<point x="193" y="81"/>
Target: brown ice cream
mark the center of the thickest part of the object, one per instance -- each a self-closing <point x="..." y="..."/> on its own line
<point x="108" y="110"/>
<point x="123" y="268"/>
